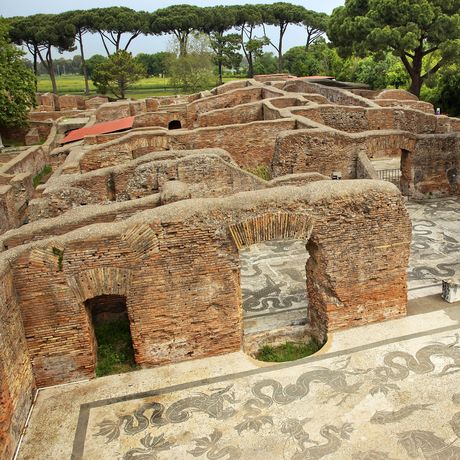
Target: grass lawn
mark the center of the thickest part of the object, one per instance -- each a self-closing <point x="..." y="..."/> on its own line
<point x="289" y="351"/>
<point x="147" y="87"/>
<point x="115" y="352"/>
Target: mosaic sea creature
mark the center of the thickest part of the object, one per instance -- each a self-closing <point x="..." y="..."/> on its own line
<point x="334" y="437"/>
<point x="382" y="417"/>
<point x="420" y="363"/>
<point x="208" y="445"/>
<point x="212" y="404"/>
<point x="426" y="443"/>
<point x="151" y="446"/>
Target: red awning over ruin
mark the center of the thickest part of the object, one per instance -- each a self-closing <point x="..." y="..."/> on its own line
<point x="99" y="128"/>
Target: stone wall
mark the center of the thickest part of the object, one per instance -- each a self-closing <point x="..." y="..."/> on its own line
<point x="333" y="95"/>
<point x="16" y="379"/>
<point x="120" y="109"/>
<point x="435" y="168"/>
<point x="327" y="150"/>
<point x="223" y="100"/>
<point x="250" y="144"/>
<point x="16" y="182"/>
<point x="78" y="217"/>
<point x="245" y="113"/>
<point x="207" y="173"/>
<point x="183" y="257"/>
<point x="360" y="119"/>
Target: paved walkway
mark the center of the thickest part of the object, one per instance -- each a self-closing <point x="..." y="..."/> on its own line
<point x="383" y="391"/>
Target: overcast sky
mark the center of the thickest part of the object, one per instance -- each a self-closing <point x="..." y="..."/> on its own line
<point x="294" y="36"/>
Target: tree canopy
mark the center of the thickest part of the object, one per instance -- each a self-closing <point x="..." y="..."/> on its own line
<point x="17" y="87"/>
<point x="179" y="20"/>
<point x="40" y="33"/>
<point x="411" y="29"/>
<point x="116" y="73"/>
<point x="281" y="15"/>
<point x="114" y="22"/>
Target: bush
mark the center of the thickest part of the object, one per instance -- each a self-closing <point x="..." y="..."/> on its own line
<point x="193" y="72"/>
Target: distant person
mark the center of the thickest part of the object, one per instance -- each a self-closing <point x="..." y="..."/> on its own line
<point x="438" y="111"/>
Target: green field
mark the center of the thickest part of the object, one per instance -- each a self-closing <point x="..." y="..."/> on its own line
<point x="74" y="84"/>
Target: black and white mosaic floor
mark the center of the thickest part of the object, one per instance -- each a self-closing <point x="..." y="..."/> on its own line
<point x="343" y="406"/>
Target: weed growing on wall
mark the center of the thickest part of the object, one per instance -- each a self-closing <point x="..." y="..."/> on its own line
<point x="39" y="178"/>
<point x="260" y="171"/>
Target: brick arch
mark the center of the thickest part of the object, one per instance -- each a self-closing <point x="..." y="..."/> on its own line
<point x="271" y="226"/>
<point x="99" y="281"/>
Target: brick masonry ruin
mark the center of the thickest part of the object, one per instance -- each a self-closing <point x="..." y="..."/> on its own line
<point x="157" y="216"/>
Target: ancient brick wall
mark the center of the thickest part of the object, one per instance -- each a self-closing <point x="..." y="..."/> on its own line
<point x="161" y="119"/>
<point x="328" y="150"/>
<point x="182" y="257"/>
<point x="16" y="379"/>
<point x="44" y="226"/>
<point x="240" y="114"/>
<point x="230" y="86"/>
<point x="72" y="102"/>
<point x="396" y="94"/>
<point x="207" y="172"/>
<point x="435" y="168"/>
<point x="223" y="100"/>
<point x="333" y="95"/>
<point x="250" y="145"/>
<point x="54" y="115"/>
<point x="416" y="105"/>
<point x="315" y="150"/>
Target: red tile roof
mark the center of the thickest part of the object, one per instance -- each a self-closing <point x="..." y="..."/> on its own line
<point x="99" y="128"/>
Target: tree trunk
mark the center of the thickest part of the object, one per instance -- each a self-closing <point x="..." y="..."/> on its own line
<point x="51" y="70"/>
<point x="307" y="44"/>
<point x="280" y="51"/>
<point x="122" y="88"/>
<point x="35" y="69"/>
<point x="250" y="65"/>
<point x="183" y="46"/>
<point x="49" y="66"/>
<point x="247" y="54"/>
<point x="219" y="66"/>
<point x="416" y="85"/>
<point x="416" y="74"/>
<point x="83" y="63"/>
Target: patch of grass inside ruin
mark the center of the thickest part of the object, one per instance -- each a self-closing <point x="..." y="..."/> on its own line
<point x="42" y="175"/>
<point x="289" y="351"/>
<point x="260" y="171"/>
<point x="115" y="353"/>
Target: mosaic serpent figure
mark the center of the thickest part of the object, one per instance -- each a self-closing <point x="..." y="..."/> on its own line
<point x="178" y="412"/>
<point x="420" y="363"/>
<point x="335" y="379"/>
<point x="334" y="437"/>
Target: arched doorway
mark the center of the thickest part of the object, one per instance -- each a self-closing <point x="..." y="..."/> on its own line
<point x="274" y="293"/>
<point x="110" y="327"/>
<point x="175" y="124"/>
<point x="273" y="260"/>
